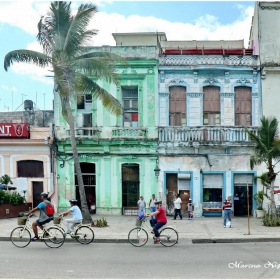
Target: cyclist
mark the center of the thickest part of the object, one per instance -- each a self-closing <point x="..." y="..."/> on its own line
<point x="43" y="218"/>
<point x="161" y="219"/>
<point x="76" y="213"/>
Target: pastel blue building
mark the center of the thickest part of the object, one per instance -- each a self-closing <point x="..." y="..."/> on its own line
<point x="208" y="90"/>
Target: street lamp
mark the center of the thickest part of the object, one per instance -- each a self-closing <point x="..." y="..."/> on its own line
<point x="157" y="169"/>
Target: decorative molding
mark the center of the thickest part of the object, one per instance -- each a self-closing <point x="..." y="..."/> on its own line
<point x="270" y="7"/>
<point x="227" y="94"/>
<point x="195" y="77"/>
<point x="255" y="94"/>
<point x="227" y="77"/>
<point x="195" y="94"/>
<point x="211" y="81"/>
<point x="243" y="81"/>
<point x="179" y="76"/>
<point x="177" y="81"/>
<point x="150" y="71"/>
<point x="162" y="77"/>
<point x="254" y="77"/>
<point x="163" y="93"/>
<point x="231" y="60"/>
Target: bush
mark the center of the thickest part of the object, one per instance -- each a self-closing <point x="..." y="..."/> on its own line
<point x="269" y="221"/>
<point x="15" y="198"/>
<point x="100" y="223"/>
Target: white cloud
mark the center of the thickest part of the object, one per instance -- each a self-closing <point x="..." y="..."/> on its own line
<point x="4" y="87"/>
<point x="14" y="89"/>
<point x="206" y="27"/>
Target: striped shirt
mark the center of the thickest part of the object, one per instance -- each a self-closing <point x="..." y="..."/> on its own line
<point x="227" y="205"/>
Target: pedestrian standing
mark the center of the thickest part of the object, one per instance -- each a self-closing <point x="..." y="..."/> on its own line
<point x="177" y="207"/>
<point x="152" y="209"/>
<point x="142" y="206"/>
<point x="227" y="207"/>
<point x="190" y="209"/>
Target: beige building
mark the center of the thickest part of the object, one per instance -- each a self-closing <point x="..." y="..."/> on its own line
<point x="25" y="155"/>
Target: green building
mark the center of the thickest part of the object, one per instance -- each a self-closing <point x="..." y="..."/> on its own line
<point x="118" y="154"/>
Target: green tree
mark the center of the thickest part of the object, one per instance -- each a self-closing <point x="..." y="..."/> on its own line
<point x="267" y="150"/>
<point x="5" y="179"/>
<point x="65" y="39"/>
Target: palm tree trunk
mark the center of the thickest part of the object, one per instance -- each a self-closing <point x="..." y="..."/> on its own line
<point x="85" y="211"/>
<point x="272" y="201"/>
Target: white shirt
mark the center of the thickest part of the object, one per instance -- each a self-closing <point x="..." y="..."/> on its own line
<point x="177" y="203"/>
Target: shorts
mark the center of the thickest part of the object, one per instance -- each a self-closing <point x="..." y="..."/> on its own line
<point x="44" y="222"/>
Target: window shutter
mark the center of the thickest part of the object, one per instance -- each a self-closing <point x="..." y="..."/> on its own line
<point x="213" y="181"/>
<point x="243" y="179"/>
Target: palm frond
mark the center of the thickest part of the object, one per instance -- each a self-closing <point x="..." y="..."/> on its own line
<point x="86" y="86"/>
<point x="97" y="68"/>
<point x="77" y="32"/>
<point x="27" y="56"/>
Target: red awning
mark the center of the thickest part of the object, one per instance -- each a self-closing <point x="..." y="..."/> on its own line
<point x="277" y="191"/>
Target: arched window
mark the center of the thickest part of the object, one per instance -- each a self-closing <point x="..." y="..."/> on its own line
<point x="211" y="106"/>
<point x="177" y="106"/>
<point x="243" y="106"/>
<point x="30" y="169"/>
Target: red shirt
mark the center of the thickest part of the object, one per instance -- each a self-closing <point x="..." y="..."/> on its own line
<point x="161" y="216"/>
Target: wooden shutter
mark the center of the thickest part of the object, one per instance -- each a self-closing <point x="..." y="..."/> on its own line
<point x="211" y="104"/>
<point x="243" y="106"/>
<point x="177" y="105"/>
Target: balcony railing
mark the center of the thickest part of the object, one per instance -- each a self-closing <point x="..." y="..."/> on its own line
<point x="85" y="132"/>
<point x="205" y="134"/>
<point x="129" y="133"/>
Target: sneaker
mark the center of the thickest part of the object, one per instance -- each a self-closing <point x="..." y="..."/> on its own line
<point x="157" y="241"/>
<point x="35" y="238"/>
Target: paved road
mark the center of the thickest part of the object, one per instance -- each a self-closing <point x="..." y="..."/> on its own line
<point x="184" y="260"/>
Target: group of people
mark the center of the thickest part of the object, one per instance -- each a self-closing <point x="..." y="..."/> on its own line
<point x="177" y="207"/>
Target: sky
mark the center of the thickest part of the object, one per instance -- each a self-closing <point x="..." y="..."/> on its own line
<point x="180" y="20"/>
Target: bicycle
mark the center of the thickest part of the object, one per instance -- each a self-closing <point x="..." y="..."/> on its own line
<point x="138" y="236"/>
<point x="82" y="233"/>
<point x="21" y="236"/>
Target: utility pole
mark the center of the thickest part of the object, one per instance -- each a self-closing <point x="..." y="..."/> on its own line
<point x="44" y="101"/>
<point x="12" y="101"/>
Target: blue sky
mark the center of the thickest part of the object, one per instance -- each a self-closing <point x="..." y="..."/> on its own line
<point x="182" y="20"/>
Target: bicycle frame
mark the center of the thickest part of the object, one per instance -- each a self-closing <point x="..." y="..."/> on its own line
<point x="146" y="224"/>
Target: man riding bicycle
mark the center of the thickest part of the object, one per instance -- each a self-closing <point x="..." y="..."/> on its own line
<point x="161" y="219"/>
<point x="43" y="218"/>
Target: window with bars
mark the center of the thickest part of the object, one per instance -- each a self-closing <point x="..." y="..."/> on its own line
<point x="177" y="106"/>
<point x="130" y="107"/>
<point x="211" y="106"/>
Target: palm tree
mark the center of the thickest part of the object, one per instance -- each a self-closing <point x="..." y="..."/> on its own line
<point x="66" y="40"/>
<point x="267" y="150"/>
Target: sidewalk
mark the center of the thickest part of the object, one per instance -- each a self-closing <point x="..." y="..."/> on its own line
<point x="199" y="230"/>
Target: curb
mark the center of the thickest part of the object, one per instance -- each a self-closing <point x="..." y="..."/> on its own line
<point x="235" y="240"/>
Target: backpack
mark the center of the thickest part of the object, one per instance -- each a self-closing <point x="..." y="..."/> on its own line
<point x="49" y="209"/>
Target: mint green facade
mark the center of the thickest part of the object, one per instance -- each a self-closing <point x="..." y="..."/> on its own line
<point x="107" y="142"/>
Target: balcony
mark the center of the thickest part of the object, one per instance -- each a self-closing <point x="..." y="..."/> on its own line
<point x="130" y="133"/>
<point x="85" y="132"/>
<point x="205" y="134"/>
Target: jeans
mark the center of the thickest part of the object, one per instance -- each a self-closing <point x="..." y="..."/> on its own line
<point x="177" y="212"/>
<point x="141" y="210"/>
<point x="70" y="223"/>
<point x="153" y="209"/>
<point x="157" y="227"/>
<point x="227" y="215"/>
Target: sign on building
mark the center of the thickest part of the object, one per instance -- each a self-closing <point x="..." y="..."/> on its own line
<point x="14" y="130"/>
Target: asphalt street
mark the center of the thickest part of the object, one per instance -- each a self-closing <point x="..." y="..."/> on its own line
<point x="99" y="260"/>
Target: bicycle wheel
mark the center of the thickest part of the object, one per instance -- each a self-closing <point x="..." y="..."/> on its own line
<point x="53" y="237"/>
<point x="138" y="237"/>
<point x="20" y="237"/>
<point x="168" y="237"/>
<point x="84" y="235"/>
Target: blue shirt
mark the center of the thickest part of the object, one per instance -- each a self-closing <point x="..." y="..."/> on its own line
<point x="76" y="213"/>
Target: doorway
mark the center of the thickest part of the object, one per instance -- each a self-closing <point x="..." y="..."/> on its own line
<point x="240" y="200"/>
<point x="89" y="180"/>
<point x="37" y="189"/>
<point x="130" y="185"/>
<point x="171" y="191"/>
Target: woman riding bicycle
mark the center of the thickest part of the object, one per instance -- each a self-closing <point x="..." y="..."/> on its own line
<point x="161" y="219"/>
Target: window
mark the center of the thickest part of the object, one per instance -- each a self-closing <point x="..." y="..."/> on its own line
<point x="87" y="120"/>
<point x="211" y="106"/>
<point x="84" y="101"/>
<point x="30" y="169"/>
<point x="130" y="107"/>
<point x="177" y="106"/>
<point x="243" y="106"/>
<point x="212" y="190"/>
